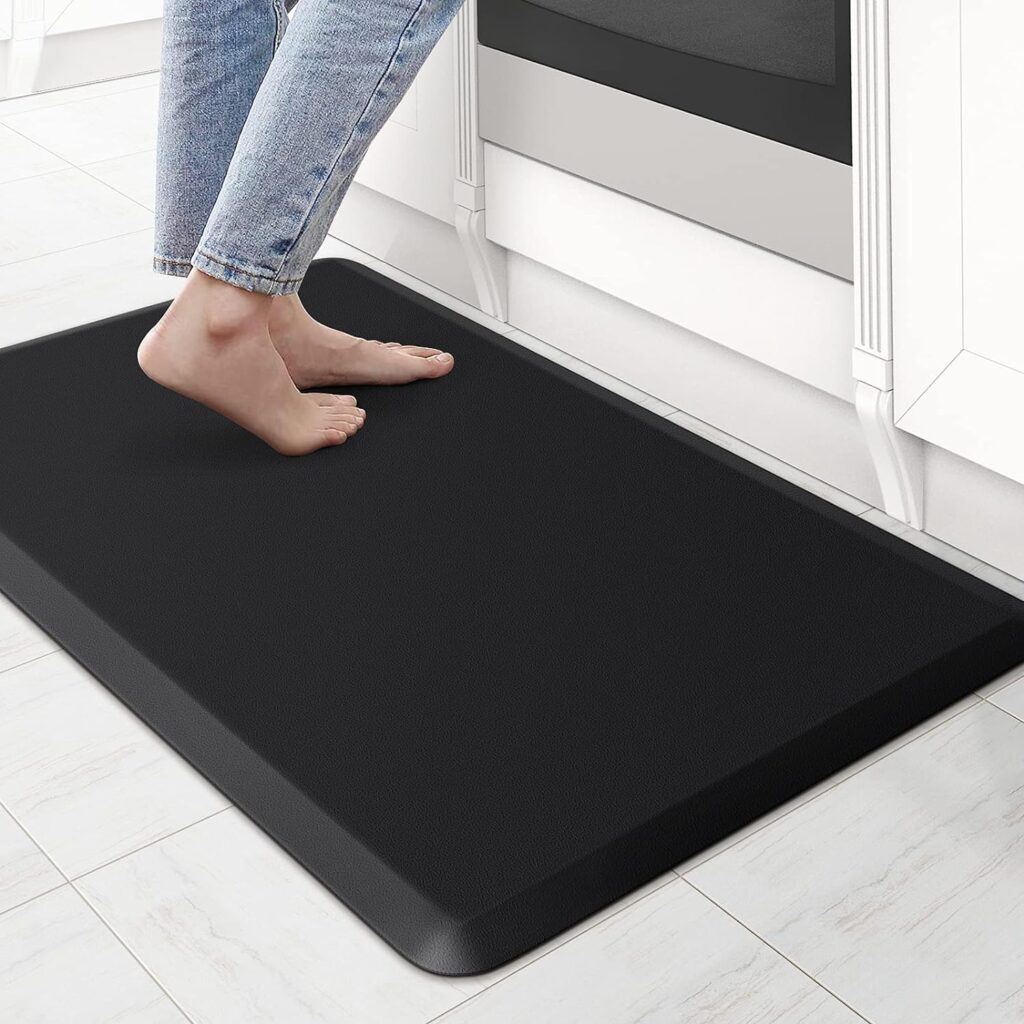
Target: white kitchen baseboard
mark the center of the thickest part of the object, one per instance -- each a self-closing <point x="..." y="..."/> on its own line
<point x="64" y="59"/>
<point x="780" y="312"/>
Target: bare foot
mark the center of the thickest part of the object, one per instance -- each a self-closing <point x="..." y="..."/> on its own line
<point x="213" y="345"/>
<point x="319" y="356"/>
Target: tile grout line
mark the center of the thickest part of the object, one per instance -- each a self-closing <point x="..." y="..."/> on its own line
<point x="73" y="879"/>
<point x="82" y="168"/>
<point x="79" y="99"/>
<point x="29" y="661"/>
<point x="572" y="938"/>
<point x="131" y="952"/>
<point x="39" y="846"/>
<point x="999" y="707"/>
<point x="70" y="881"/>
<point x="38" y="895"/>
<point x="760" y="938"/>
<point x="72" y="248"/>
<point x="71" y="885"/>
<point x="835" y="785"/>
<point x="36" y="174"/>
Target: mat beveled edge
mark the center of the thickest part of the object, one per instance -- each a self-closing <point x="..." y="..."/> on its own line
<point x="682" y="830"/>
<point x="386" y="902"/>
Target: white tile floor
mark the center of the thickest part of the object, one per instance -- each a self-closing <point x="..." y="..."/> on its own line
<point x="130" y="891"/>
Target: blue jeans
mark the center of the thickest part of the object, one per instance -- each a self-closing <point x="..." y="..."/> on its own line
<point x="264" y="121"/>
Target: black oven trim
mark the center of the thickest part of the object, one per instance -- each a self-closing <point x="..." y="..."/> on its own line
<point x="810" y="116"/>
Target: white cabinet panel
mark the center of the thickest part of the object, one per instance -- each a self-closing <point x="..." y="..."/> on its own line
<point x="957" y="120"/>
<point x="924" y="99"/>
<point x="993" y="173"/>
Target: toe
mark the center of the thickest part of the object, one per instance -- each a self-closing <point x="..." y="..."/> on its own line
<point x="436" y="366"/>
<point x="327" y="401"/>
<point x="349" y="424"/>
<point x="419" y="350"/>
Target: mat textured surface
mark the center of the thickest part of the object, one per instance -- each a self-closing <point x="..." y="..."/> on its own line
<point x="516" y="648"/>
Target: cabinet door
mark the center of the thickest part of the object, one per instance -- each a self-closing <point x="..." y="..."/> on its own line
<point x="957" y="151"/>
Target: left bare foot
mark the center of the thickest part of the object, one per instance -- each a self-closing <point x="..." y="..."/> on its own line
<point x="320" y="356"/>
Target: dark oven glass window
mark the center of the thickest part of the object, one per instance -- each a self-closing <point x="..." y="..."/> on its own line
<point x="777" y="68"/>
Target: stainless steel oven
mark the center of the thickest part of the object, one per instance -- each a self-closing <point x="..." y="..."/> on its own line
<point x="734" y="113"/>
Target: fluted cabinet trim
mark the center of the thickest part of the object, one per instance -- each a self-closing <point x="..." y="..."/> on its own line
<point x="872" y="219"/>
<point x="469" y="163"/>
<point x="486" y="260"/>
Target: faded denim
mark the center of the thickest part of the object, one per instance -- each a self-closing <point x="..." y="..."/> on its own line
<point x="264" y="121"/>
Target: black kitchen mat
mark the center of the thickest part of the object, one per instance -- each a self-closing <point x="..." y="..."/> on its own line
<point x="513" y="650"/>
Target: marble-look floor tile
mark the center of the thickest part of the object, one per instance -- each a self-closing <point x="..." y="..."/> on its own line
<point x="238" y="933"/>
<point x="671" y="957"/>
<point x="20" y="158"/>
<point x="60" y="965"/>
<point x="21" y="639"/>
<point x="62" y="210"/>
<point x="902" y="889"/>
<point x="1010" y="698"/>
<point x="85" y="778"/>
<point x="66" y="289"/>
<point x="98" y="128"/>
<point x="25" y="871"/>
<point x="831" y="782"/>
<point x="133" y="176"/>
<point x="771" y="463"/>
<point x="492" y="977"/>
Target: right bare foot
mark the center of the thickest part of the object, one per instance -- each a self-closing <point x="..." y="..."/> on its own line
<point x="213" y="345"/>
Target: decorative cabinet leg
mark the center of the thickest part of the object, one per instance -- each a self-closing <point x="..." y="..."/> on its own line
<point x="486" y="262"/>
<point x="897" y="456"/>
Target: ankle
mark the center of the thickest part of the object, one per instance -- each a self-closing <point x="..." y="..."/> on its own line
<point x="226" y="312"/>
<point x="286" y="311"/>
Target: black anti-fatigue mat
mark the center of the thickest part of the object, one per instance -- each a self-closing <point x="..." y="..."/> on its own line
<point x="515" y="649"/>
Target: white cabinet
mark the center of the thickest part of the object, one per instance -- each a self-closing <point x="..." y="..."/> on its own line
<point x="956" y="84"/>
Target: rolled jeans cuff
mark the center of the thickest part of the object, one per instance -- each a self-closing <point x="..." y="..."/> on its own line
<point x="171" y="267"/>
<point x="251" y="279"/>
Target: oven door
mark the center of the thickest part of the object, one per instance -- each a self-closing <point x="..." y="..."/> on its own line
<point x="734" y="113"/>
